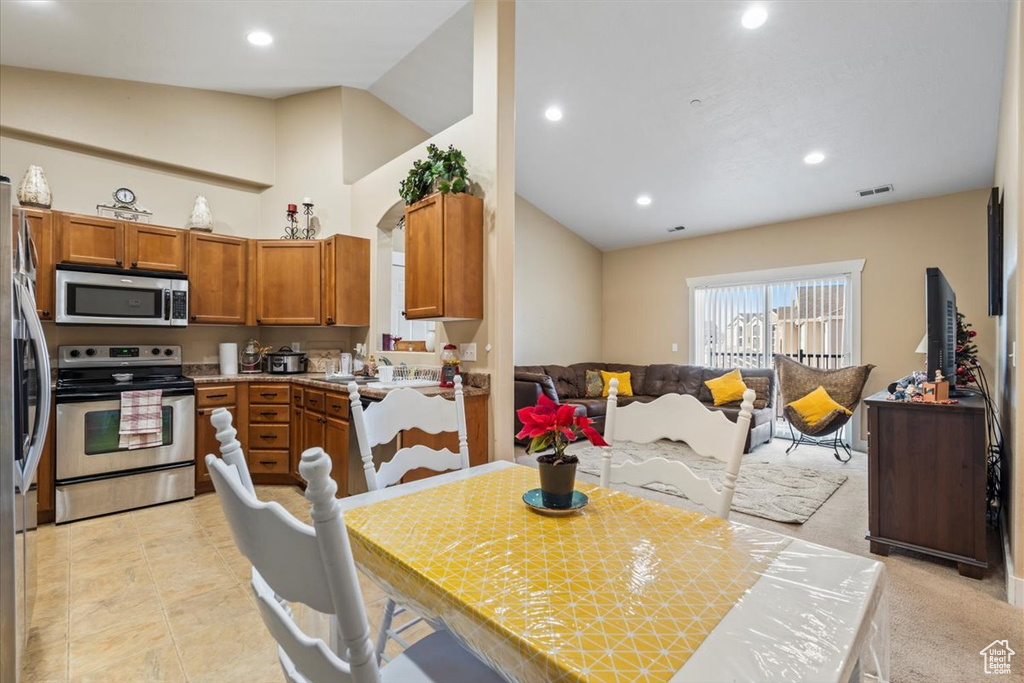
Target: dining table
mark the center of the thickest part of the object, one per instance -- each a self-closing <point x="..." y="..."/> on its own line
<point x="626" y="589"/>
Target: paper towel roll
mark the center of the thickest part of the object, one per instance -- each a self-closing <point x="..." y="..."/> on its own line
<point x="229" y="358"/>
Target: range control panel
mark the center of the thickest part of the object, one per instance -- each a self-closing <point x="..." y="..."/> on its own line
<point x="97" y="355"/>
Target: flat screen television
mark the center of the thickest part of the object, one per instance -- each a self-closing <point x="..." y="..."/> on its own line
<point x="940" y="312"/>
<point x="995" y="254"/>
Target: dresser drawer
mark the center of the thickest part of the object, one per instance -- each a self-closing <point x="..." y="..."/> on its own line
<point x="217" y="395"/>
<point x="268" y="393"/>
<point x="269" y="413"/>
<point x="268" y="462"/>
<point x="314" y="400"/>
<point x="268" y="436"/>
<point x="337" y="405"/>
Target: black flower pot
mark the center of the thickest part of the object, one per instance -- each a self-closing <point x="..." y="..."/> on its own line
<point x="556" y="484"/>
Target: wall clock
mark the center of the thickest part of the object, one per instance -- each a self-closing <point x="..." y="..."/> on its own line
<point x="124" y="207"/>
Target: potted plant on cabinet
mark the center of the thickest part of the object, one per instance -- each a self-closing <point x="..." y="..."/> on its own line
<point x="552" y="426"/>
<point x="443" y="171"/>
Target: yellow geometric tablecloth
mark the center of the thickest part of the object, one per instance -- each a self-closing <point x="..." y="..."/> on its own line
<point x="625" y="591"/>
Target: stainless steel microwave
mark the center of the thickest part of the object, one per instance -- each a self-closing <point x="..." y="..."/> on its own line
<point x="101" y="296"/>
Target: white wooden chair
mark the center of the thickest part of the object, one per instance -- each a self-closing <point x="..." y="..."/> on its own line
<point x="314" y="566"/>
<point x="679" y="417"/>
<point x="379" y="424"/>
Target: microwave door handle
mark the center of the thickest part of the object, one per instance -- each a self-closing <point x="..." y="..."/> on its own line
<point x="42" y="421"/>
<point x="167" y="304"/>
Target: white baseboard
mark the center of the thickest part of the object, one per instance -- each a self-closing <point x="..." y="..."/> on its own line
<point x="1014" y="584"/>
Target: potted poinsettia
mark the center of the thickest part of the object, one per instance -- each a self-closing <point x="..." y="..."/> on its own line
<point x="552" y="426"/>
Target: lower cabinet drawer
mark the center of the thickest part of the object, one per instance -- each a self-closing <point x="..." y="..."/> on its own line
<point x="268" y="436"/>
<point x="269" y="393"/>
<point x="268" y="413"/>
<point x="268" y="462"/>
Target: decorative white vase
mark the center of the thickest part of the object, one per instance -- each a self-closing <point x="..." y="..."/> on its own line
<point x="431" y="341"/>
<point x="201" y="218"/>
<point x="35" y="189"/>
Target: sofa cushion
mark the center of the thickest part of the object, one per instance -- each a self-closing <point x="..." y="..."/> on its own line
<point x="625" y="386"/>
<point x="637" y="376"/>
<point x="543" y="382"/>
<point x="714" y="373"/>
<point x="626" y="400"/>
<point x="761" y="386"/>
<point x="596" y="407"/>
<point x="673" y="379"/>
<point x="565" y="381"/>
<point x="580" y="374"/>
<point x="757" y="418"/>
<point x="594" y="385"/>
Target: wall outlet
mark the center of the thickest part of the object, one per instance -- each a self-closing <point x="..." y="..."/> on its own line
<point x="467" y="352"/>
<point x="296" y="346"/>
<point x="675" y="348"/>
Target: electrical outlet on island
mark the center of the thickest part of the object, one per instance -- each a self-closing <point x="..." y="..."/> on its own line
<point x="467" y="352"/>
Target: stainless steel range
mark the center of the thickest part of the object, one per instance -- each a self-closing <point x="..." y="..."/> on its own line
<point x="95" y="476"/>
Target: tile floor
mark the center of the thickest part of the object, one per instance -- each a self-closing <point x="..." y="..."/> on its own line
<point x="160" y="594"/>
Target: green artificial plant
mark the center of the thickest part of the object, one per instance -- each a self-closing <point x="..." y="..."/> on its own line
<point x="442" y="171"/>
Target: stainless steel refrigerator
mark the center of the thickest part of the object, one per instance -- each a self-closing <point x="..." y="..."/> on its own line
<point x="24" y="413"/>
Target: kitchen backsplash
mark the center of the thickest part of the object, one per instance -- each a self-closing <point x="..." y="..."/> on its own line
<point x="200" y="342"/>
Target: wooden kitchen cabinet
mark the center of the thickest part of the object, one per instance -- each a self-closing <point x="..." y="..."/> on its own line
<point x="444" y="258"/>
<point x="218" y="274"/>
<point x="312" y="429"/>
<point x="270" y="433"/>
<point x="46" y="485"/>
<point x="336" y="446"/>
<point x="346" y="281"/>
<point x="208" y="399"/>
<point x="151" y="247"/>
<point x="287" y="285"/>
<point x="95" y="241"/>
<point x="40" y="225"/>
<point x="90" y="241"/>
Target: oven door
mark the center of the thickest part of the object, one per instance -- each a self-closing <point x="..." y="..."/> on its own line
<point x="104" y="298"/>
<point x="87" y="437"/>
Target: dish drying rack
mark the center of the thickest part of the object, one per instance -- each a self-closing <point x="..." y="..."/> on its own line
<point x="411" y="376"/>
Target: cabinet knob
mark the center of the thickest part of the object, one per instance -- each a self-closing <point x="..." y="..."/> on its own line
<point x="259" y="321"/>
<point x="202" y="412"/>
<point x="46" y="314"/>
<point x="118" y="262"/>
<point x="135" y="264"/>
<point x="193" y="317"/>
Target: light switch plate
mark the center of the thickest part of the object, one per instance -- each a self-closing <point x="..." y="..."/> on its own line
<point x="467" y="352"/>
<point x="675" y="348"/>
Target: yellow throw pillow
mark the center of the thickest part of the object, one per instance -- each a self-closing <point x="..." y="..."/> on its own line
<point x="625" y="387"/>
<point x="728" y="388"/>
<point x="815" y="406"/>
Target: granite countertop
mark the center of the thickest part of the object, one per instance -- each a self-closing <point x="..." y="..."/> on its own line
<point x="475" y="384"/>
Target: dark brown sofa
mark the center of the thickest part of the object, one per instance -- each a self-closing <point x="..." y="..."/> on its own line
<point x="567" y="384"/>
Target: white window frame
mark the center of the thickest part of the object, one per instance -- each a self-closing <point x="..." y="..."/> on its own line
<point x="854" y="268"/>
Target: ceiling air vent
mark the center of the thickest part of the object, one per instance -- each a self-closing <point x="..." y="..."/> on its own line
<point x="881" y="189"/>
<point x="678" y="228"/>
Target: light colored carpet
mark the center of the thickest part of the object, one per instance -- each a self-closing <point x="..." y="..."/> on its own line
<point x="777" y="492"/>
<point x="938" y="620"/>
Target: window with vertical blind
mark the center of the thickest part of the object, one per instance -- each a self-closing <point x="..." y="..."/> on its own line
<point x="745" y="324"/>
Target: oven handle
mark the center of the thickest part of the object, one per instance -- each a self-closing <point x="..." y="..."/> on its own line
<point x="42" y="421"/>
<point x="114" y="395"/>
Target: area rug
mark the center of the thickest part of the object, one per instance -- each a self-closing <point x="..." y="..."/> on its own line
<point x="777" y="492"/>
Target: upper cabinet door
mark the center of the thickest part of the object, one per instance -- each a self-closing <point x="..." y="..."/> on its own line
<point x="424" y="259"/>
<point x="154" y="248"/>
<point x="40" y="224"/>
<point x="346" y="281"/>
<point x="444" y="258"/>
<point x="218" y="277"/>
<point x="288" y="290"/>
<point x="90" y="241"/>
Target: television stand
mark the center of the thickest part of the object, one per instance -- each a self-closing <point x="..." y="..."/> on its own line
<point x="926" y="479"/>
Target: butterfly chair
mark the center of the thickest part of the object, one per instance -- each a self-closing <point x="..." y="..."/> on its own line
<point x="314" y="566"/>
<point x="678" y="417"/>
<point x="379" y="424"/>
<point x="844" y="385"/>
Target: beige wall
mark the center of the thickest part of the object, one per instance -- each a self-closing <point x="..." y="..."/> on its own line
<point x="487" y="139"/>
<point x="1009" y="380"/>
<point x="557" y="292"/>
<point x="646" y="300"/>
<point x="308" y="144"/>
<point x="383" y="133"/>
<point x="209" y="132"/>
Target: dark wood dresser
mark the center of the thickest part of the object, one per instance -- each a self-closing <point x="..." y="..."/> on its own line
<point x="926" y="480"/>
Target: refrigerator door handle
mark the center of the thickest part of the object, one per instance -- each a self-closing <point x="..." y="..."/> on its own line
<point x="35" y="328"/>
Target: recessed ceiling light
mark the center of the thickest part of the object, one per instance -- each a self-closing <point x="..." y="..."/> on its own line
<point x="814" y="158"/>
<point x="644" y="200"/>
<point x="754" y="17"/>
<point x="261" y="38"/>
<point x="553" y="114"/>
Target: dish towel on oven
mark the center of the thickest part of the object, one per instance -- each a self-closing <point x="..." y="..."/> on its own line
<point x="141" y="419"/>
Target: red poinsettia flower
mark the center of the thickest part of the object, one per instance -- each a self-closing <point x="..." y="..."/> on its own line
<point x="549" y="425"/>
